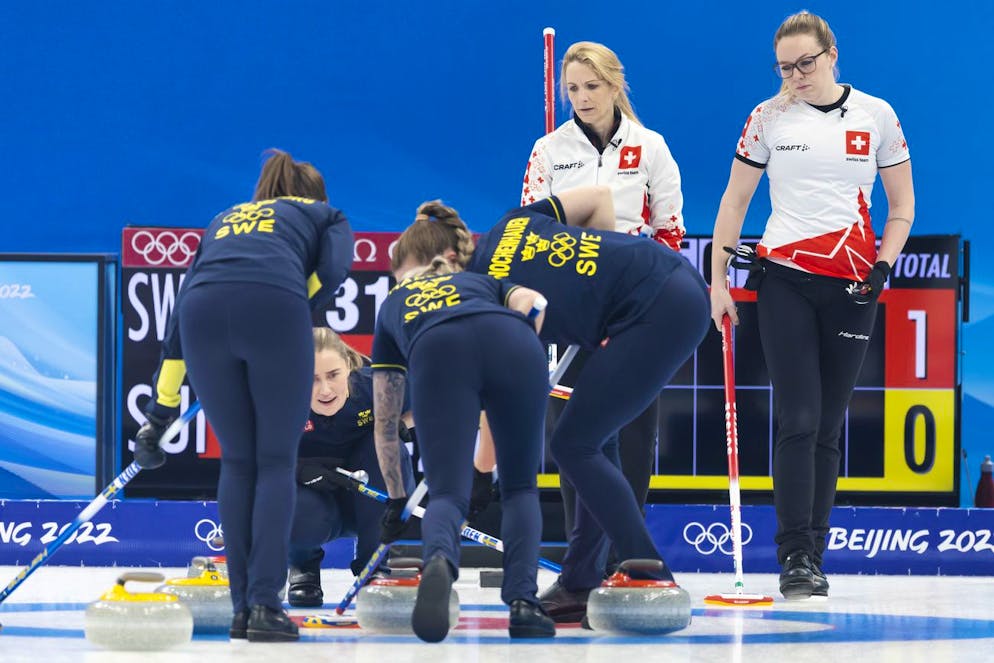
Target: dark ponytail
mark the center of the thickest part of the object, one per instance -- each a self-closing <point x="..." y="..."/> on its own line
<point x="282" y="176"/>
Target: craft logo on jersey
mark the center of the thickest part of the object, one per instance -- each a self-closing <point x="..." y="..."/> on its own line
<point x="858" y="143"/>
<point x="309" y="426"/>
<point x="630" y="157"/>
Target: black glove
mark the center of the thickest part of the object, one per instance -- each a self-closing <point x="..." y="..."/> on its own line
<point x="744" y="256"/>
<point x="405" y="434"/>
<point x="482" y="493"/>
<point x="392" y="527"/>
<point x="148" y="454"/>
<point x="321" y="474"/>
<point x="866" y="292"/>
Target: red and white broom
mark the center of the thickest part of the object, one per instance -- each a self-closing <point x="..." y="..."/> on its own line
<point x="739" y="597"/>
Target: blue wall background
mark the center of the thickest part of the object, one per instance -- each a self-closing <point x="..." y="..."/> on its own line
<point x="157" y="112"/>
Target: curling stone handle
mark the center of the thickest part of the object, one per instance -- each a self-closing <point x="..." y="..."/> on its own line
<point x="406" y="563"/>
<point x="642" y="565"/>
<point x="140" y="576"/>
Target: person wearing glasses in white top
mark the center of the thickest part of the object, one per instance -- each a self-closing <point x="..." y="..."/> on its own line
<point x="817" y="269"/>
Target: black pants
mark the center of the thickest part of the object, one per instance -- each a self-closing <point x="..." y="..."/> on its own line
<point x="814" y="338"/>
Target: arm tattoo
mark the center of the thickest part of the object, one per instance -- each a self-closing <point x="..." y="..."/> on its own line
<point x="388" y="401"/>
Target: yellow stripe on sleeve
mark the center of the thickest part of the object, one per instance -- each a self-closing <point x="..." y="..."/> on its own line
<point x="557" y="210"/>
<point x="507" y="297"/>
<point x="391" y="367"/>
<point x="171" y="376"/>
<point x="313" y="285"/>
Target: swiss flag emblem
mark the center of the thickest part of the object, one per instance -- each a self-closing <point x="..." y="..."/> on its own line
<point x="630" y="157"/>
<point x="858" y="142"/>
<point x="309" y="426"/>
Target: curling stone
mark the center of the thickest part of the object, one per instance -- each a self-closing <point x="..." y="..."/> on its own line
<point x="386" y="603"/>
<point x="199" y="564"/>
<point x="123" y="620"/>
<point x="623" y="604"/>
<point x="208" y="597"/>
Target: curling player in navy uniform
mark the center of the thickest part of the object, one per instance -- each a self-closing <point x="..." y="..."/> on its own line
<point x="338" y="435"/>
<point x="642" y="310"/>
<point x="462" y="343"/>
<point x="242" y="329"/>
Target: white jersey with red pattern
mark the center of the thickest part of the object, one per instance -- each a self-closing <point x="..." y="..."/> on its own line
<point x="636" y="164"/>
<point x="822" y="163"/>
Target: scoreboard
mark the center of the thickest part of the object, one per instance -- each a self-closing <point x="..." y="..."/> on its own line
<point x="900" y="440"/>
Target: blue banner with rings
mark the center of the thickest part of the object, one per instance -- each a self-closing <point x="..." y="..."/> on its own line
<point x="123" y="533"/>
<point x="862" y="540"/>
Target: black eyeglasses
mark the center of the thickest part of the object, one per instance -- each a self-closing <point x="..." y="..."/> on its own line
<point x="806" y="65"/>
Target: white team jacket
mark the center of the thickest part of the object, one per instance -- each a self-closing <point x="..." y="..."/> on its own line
<point x="822" y="165"/>
<point x="636" y="164"/>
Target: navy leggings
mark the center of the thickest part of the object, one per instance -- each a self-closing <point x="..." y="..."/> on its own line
<point x="492" y="362"/>
<point x="320" y="517"/>
<point x="249" y="352"/>
<point x="814" y="340"/>
<point x="617" y="383"/>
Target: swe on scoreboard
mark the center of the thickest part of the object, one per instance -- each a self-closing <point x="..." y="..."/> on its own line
<point x="900" y="439"/>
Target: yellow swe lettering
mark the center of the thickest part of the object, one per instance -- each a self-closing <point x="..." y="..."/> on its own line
<point x="586" y="267"/>
<point x="590" y="247"/>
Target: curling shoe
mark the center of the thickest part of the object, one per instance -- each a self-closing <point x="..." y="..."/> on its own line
<point x="562" y="605"/>
<point x="430" y="619"/>
<point x="305" y="589"/>
<point x="239" y="626"/>
<point x="820" y="581"/>
<point x="796" y="579"/>
<point x="529" y="620"/>
<point x="268" y="625"/>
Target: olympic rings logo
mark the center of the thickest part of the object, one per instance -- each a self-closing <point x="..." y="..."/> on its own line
<point x="715" y="536"/>
<point x="419" y="299"/>
<point x="561" y="249"/>
<point x="166" y="247"/>
<point x="250" y="212"/>
<point x="208" y="531"/>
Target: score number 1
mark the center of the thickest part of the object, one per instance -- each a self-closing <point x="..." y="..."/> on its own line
<point x="921" y="323"/>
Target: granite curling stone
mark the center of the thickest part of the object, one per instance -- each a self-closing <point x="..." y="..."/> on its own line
<point x="386" y="603"/>
<point x="623" y="604"/>
<point x="123" y="620"/>
<point x="208" y="597"/>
